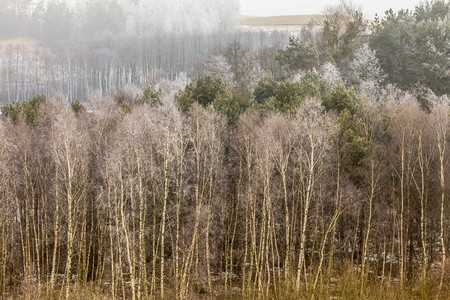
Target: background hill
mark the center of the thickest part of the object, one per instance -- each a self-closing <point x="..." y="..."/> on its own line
<point x="279" y="20"/>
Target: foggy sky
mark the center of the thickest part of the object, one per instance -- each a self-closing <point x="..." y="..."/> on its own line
<point x="299" y="7"/>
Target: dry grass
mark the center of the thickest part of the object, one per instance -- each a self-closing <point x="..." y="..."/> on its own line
<point x="346" y="286"/>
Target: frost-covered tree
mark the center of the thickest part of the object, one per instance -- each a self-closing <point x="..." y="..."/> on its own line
<point x="330" y="73"/>
<point x="364" y="72"/>
<point x="188" y="16"/>
<point x="216" y="66"/>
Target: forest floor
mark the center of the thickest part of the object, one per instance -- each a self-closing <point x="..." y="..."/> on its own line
<point x="345" y="286"/>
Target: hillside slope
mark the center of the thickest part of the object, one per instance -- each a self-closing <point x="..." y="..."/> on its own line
<point x="279" y="20"/>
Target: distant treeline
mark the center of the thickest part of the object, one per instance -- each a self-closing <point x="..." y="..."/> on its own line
<point x="88" y="47"/>
<point x="56" y="20"/>
<point x="411" y="48"/>
<point x="101" y="66"/>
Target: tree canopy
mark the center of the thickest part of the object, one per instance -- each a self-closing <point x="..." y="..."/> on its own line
<point x="414" y="47"/>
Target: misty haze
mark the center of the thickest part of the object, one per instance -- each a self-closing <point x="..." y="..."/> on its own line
<point x="181" y="149"/>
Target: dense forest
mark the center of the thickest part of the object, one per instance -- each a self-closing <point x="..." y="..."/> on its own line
<point x="225" y="164"/>
<point x="98" y="46"/>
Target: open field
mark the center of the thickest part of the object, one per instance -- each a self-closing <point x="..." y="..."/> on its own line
<point x="279" y="20"/>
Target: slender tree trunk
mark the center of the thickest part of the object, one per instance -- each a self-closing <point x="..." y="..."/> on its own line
<point x="70" y="233"/>
<point x="55" y="233"/>
<point x="373" y="183"/>
<point x="164" y="211"/>
<point x="442" y="145"/>
<point x="309" y="190"/>
<point x="337" y="212"/>
<point x="3" y="259"/>
<point x="421" y="192"/>
<point x="142" y="285"/>
<point x="402" y="200"/>
<point x="111" y="225"/>
<point x="337" y="201"/>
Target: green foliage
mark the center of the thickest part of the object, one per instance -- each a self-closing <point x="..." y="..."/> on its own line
<point x="289" y="96"/>
<point x="341" y="98"/>
<point x="124" y="96"/>
<point x="204" y="91"/>
<point x="185" y="99"/>
<point x="355" y="145"/>
<point x="125" y="108"/>
<point x="265" y="88"/>
<point x="29" y="109"/>
<point x="353" y="140"/>
<point x="151" y="96"/>
<point x="77" y="107"/>
<point x="208" y="90"/>
<point x="393" y="41"/>
<point x="414" y="47"/>
<point x="12" y="111"/>
<point x="313" y="85"/>
<point x="432" y="10"/>
<point x="269" y="105"/>
<point x="296" y="56"/>
<point x="232" y="103"/>
<point x="343" y="32"/>
<point x="351" y="38"/>
<point x="386" y="128"/>
<point x="425" y="97"/>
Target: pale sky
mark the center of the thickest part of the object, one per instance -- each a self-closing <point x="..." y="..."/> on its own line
<point x="306" y="7"/>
